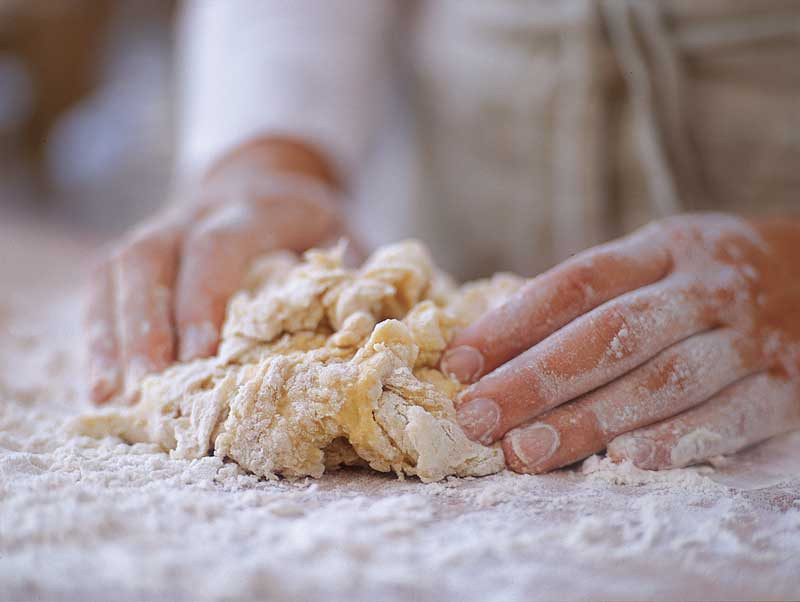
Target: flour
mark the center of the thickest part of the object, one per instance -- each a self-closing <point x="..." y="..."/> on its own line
<point x="693" y="446"/>
<point x="321" y="366"/>
<point x="625" y="473"/>
<point x="84" y="518"/>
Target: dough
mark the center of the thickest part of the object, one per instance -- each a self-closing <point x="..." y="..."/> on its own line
<point x="322" y="366"/>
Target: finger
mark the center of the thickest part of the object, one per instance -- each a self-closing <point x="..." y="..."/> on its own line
<point x="755" y="409"/>
<point x="218" y="250"/>
<point x="588" y="353"/>
<point x="214" y="259"/>
<point x="554" y="299"/>
<point x="145" y="273"/>
<point x="102" y="346"/>
<point x="683" y="376"/>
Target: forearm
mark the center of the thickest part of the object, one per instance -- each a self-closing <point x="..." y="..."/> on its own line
<point x="295" y="83"/>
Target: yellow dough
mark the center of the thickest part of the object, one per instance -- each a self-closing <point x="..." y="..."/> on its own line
<point x="322" y="366"/>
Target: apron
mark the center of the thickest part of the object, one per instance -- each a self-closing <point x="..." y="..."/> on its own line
<point x="532" y="129"/>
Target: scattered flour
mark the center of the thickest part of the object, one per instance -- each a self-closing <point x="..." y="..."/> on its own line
<point x="84" y="518"/>
<point x="625" y="473"/>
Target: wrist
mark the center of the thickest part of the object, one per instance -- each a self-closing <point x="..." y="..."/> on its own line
<point x="277" y="155"/>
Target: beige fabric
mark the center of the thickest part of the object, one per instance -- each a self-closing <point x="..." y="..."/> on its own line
<point x="731" y="138"/>
<point x="545" y="127"/>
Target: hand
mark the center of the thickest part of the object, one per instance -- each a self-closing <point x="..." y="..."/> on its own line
<point x="675" y="344"/>
<point x="161" y="294"/>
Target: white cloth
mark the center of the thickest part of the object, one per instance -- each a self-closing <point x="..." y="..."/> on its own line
<point x="315" y="70"/>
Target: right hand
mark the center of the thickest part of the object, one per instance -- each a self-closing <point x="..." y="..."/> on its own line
<point x="161" y="294"/>
<point x="668" y="347"/>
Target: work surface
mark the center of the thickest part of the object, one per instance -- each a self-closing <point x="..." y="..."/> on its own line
<point x="97" y="519"/>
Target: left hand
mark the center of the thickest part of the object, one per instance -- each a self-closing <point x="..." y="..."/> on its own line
<point x="160" y="295"/>
<point x="675" y="344"/>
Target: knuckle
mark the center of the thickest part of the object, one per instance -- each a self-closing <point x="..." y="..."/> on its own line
<point x="577" y="283"/>
<point x="200" y="240"/>
<point x="658" y="227"/>
<point x="667" y="225"/>
<point x="222" y="228"/>
<point x="142" y="245"/>
<point x="153" y="237"/>
<point x="617" y="320"/>
<point x="232" y="217"/>
<point x="657" y="234"/>
<point x="675" y="373"/>
<point x="616" y="317"/>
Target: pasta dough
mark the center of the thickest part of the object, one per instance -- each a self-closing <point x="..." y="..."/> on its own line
<point x="322" y="366"/>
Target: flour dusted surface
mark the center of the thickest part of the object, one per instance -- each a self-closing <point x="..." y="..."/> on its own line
<point x="322" y="366"/>
<point x="83" y="518"/>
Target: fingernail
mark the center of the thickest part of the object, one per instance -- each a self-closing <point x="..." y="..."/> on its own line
<point x="464" y="363"/>
<point x="198" y="340"/>
<point x="479" y="418"/>
<point x="534" y="444"/>
<point x="638" y="450"/>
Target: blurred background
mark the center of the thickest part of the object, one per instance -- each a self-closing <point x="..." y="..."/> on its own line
<point x="87" y="121"/>
<point x="85" y="131"/>
<point x="85" y="112"/>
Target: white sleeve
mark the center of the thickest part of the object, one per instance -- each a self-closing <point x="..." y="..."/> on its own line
<point x="311" y="69"/>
